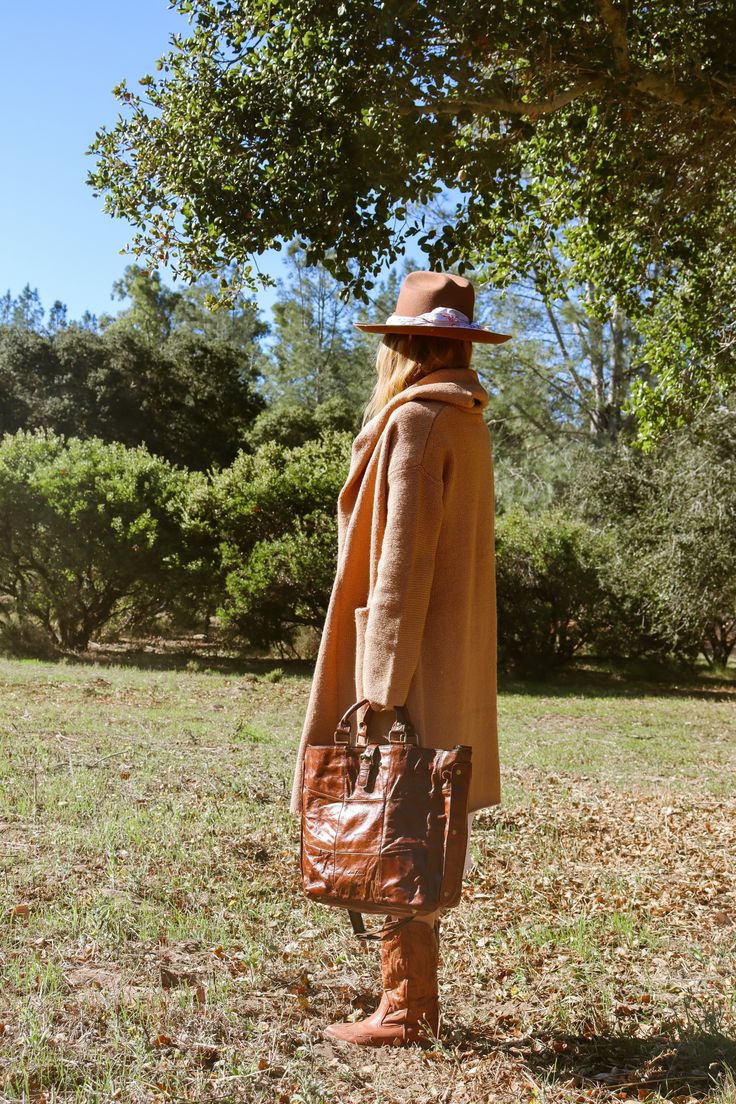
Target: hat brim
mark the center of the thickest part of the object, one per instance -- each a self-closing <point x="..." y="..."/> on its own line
<point x="459" y="333"/>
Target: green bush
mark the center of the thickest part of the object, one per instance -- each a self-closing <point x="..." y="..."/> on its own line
<point x="671" y="518"/>
<point x="549" y="595"/>
<point x="291" y="424"/>
<point x="275" y="512"/>
<point x="89" y="532"/>
<point x="97" y="536"/>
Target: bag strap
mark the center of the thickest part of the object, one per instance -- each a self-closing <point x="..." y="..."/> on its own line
<point x="455" y="825"/>
<point x="358" y="924"/>
<point x="391" y="926"/>
<point x="400" y="711"/>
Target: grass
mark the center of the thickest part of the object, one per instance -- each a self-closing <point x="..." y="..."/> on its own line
<point x="155" y="944"/>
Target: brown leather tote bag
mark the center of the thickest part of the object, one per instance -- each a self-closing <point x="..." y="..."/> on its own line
<point x="384" y="826"/>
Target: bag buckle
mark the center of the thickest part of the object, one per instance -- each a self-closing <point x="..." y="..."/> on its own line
<point x="342" y="734"/>
<point x="401" y="733"/>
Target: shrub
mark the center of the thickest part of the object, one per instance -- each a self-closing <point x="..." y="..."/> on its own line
<point x="671" y="515"/>
<point x="291" y="424"/>
<point x="89" y="532"/>
<point x="549" y="595"/>
<point x="275" y="511"/>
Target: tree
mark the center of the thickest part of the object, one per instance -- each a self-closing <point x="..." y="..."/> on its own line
<point x="206" y="401"/>
<point x="190" y="401"/>
<point x="166" y="372"/>
<point x="152" y="305"/>
<point x="292" y="424"/>
<point x="58" y="317"/>
<point x="600" y="132"/>
<point x="25" y="312"/>
<point x="317" y="354"/>
<point x="28" y="366"/>
<point x="557" y="391"/>
<point x="199" y="314"/>
<point x="157" y="312"/>
<point x="568" y="372"/>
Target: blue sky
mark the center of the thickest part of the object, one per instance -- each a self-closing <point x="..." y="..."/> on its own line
<point x="58" y="64"/>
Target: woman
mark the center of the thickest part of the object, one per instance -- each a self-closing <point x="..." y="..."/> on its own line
<point x="412" y="619"/>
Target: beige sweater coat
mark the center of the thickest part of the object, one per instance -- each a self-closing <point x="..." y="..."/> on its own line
<point x="412" y="615"/>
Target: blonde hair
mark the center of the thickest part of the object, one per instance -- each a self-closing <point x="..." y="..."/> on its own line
<point x="403" y="359"/>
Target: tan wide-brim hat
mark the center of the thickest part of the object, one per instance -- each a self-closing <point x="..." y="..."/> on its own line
<point x="437" y="304"/>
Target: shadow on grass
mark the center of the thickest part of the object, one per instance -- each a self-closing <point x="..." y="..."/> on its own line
<point x="595" y="679"/>
<point x="171" y="658"/>
<point x="584" y="677"/>
<point x="684" y="1060"/>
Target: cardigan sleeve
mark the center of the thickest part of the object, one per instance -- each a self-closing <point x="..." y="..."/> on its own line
<point x="400" y="599"/>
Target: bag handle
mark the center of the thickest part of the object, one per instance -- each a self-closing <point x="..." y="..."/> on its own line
<point x="402" y="730"/>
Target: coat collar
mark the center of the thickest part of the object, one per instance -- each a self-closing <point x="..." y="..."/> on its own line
<point x="458" y="386"/>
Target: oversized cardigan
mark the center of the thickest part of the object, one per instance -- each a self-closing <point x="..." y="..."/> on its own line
<point x="412" y="614"/>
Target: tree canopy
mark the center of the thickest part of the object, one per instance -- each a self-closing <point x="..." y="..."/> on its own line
<point x="165" y="371"/>
<point x="324" y="121"/>
<point x="588" y="139"/>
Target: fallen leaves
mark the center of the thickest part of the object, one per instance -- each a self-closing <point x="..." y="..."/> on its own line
<point x="163" y="1040"/>
<point x="591" y="958"/>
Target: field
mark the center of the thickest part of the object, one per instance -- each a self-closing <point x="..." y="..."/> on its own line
<point x="155" y="946"/>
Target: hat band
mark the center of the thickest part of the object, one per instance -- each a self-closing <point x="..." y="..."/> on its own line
<point x="440" y="316"/>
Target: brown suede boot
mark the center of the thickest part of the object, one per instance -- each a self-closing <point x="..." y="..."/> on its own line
<point x="409" y="1008"/>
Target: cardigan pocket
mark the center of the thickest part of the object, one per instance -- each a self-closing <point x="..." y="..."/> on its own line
<point x="361" y="621"/>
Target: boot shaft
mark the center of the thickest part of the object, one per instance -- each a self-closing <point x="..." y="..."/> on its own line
<point x="409" y="961"/>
